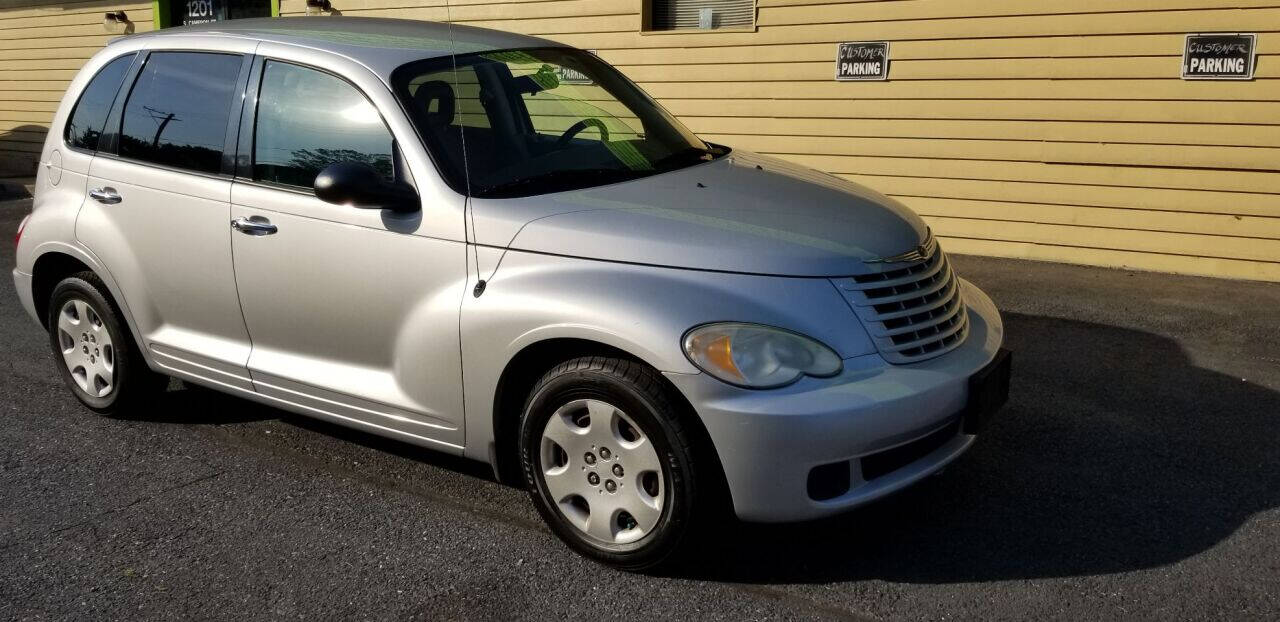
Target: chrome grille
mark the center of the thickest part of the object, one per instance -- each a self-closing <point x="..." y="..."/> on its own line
<point x="914" y="312"/>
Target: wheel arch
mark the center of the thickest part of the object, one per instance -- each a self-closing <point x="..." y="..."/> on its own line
<point x="528" y="365"/>
<point x="49" y="269"/>
<point x="51" y="266"/>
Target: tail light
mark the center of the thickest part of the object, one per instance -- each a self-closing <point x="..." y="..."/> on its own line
<point x="22" y="225"/>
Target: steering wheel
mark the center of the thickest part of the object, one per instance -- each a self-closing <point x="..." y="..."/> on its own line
<point x="578" y="127"/>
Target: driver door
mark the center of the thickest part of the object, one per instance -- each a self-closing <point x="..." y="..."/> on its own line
<point x="352" y="313"/>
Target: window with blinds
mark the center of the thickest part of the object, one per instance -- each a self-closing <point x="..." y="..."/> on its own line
<point x="700" y="14"/>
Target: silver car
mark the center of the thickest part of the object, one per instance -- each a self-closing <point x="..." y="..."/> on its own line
<point x="498" y="247"/>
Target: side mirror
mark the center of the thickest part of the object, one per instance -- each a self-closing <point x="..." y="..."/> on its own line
<point x="357" y="184"/>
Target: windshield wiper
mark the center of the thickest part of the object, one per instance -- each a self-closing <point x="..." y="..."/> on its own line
<point x="551" y="181"/>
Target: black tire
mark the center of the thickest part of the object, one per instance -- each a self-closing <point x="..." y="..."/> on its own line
<point x="638" y="391"/>
<point x="134" y="382"/>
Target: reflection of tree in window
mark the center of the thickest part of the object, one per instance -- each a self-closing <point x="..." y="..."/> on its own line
<point x="316" y="159"/>
<point x="177" y="112"/>
<point x="163" y="119"/>
<point x="308" y="119"/>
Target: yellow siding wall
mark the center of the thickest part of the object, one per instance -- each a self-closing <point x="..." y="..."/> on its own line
<point x="1053" y="130"/>
<point x="42" y="45"/>
<point x="1047" y="129"/>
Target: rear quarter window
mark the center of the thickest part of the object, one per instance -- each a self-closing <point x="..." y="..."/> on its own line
<point x="89" y="117"/>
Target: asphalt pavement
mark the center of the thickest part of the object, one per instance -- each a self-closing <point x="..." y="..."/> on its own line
<point x="1135" y="473"/>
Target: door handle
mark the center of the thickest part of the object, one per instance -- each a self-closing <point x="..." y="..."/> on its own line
<point x="106" y="195"/>
<point x="254" y="225"/>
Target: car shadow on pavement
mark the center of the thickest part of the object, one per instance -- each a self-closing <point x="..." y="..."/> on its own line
<point x="394" y="447"/>
<point x="191" y="404"/>
<point x="1115" y="453"/>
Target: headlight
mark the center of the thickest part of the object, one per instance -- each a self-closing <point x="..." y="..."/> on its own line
<point x="756" y="356"/>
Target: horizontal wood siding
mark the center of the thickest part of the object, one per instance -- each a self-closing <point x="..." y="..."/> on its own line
<point x="43" y="43"/>
<point x="1055" y="130"/>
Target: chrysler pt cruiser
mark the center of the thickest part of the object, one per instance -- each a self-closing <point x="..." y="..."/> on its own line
<point x="499" y="247"/>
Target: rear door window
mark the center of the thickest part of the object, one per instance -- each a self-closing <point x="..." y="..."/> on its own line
<point x="308" y="119"/>
<point x="177" y="112"/>
<point x="90" y="114"/>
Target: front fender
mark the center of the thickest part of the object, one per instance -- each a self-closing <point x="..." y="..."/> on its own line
<point x="642" y="310"/>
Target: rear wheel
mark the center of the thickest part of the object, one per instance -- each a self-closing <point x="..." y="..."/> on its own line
<point x="609" y="464"/>
<point x="94" y="350"/>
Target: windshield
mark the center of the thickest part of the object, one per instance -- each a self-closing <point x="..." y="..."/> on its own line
<point x="517" y="123"/>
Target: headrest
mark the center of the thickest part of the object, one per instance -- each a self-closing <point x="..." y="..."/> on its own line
<point x="435" y="91"/>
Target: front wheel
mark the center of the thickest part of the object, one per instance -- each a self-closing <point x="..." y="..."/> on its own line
<point x="609" y="463"/>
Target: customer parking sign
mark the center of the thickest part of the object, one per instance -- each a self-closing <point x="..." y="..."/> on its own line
<point x="866" y="60"/>
<point x="1219" y="57"/>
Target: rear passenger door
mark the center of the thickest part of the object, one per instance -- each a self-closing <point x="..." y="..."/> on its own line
<point x="158" y="209"/>
<point x="353" y="312"/>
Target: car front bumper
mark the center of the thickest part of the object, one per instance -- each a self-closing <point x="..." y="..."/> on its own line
<point x="769" y="441"/>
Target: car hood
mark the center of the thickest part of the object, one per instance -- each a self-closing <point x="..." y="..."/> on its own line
<point x="741" y="213"/>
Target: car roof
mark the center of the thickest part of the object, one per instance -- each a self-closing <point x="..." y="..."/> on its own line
<point x="381" y="44"/>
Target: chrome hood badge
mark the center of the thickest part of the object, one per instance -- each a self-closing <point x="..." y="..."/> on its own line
<point x="919" y="253"/>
